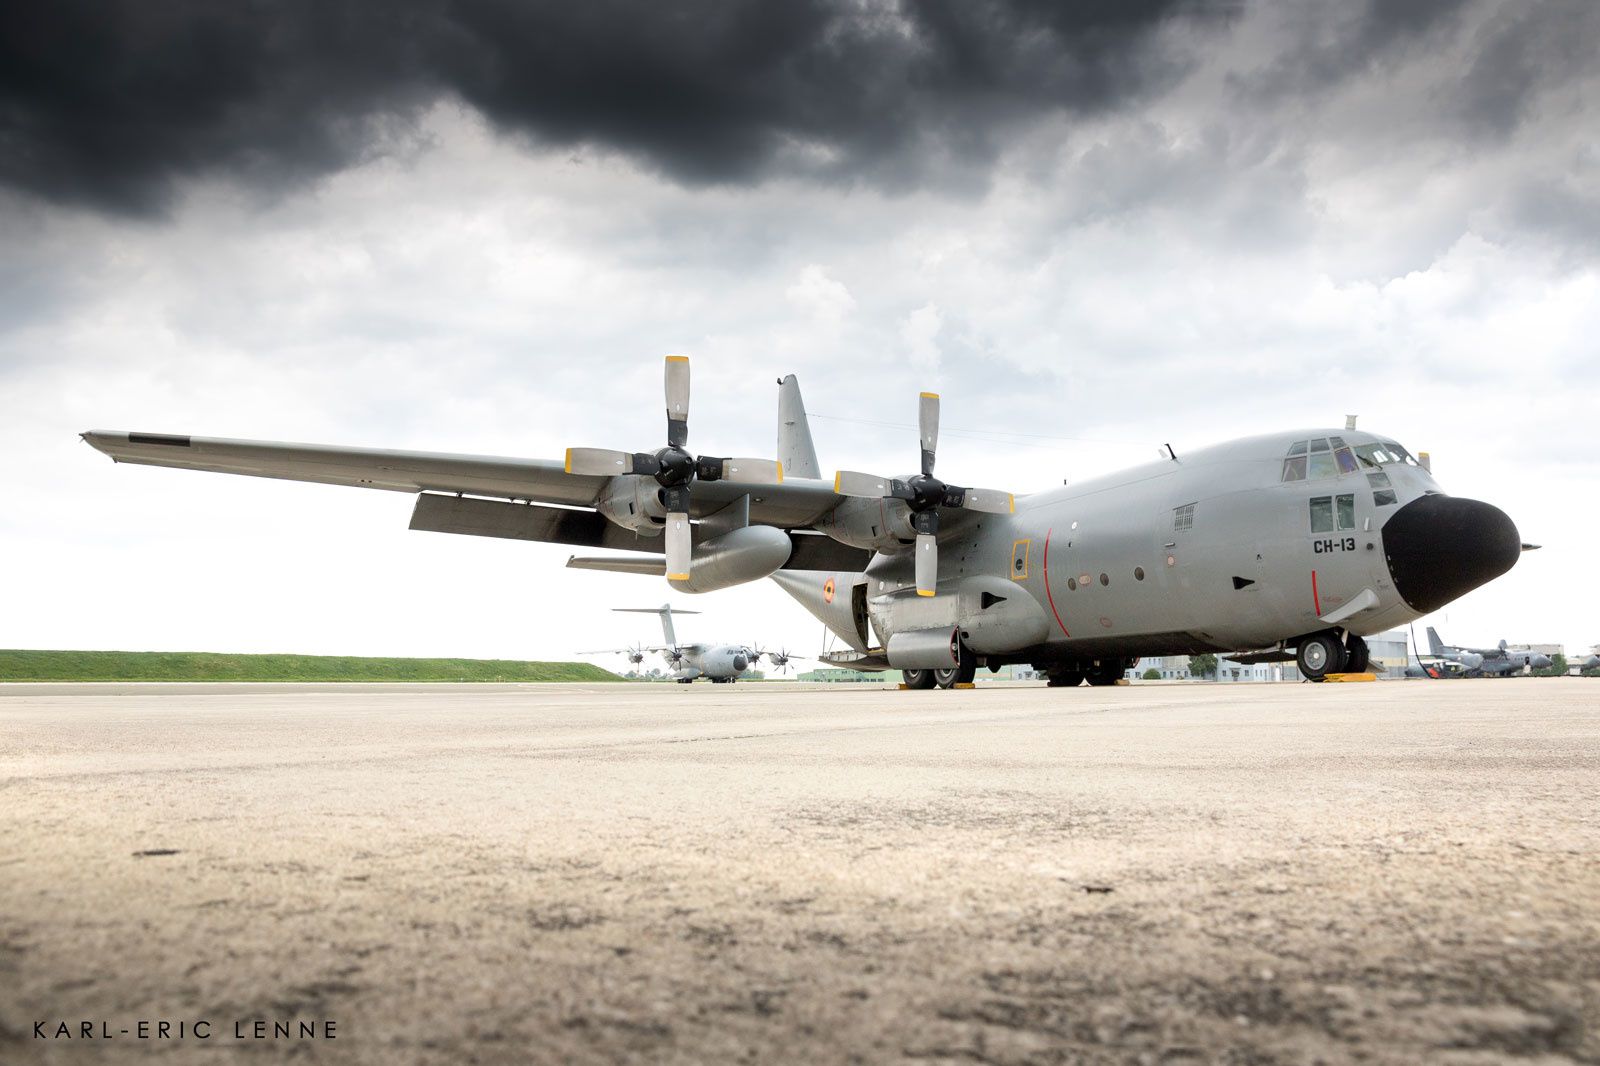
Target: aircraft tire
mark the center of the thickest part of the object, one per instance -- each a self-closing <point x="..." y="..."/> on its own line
<point x="685" y="680"/>
<point x="1064" y="679"/>
<point x="958" y="675"/>
<point x="1357" y="655"/>
<point x="1319" y="655"/>
<point x="918" y="679"/>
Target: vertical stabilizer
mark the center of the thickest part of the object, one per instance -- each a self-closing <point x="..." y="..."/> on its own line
<point x="665" y="611"/>
<point x="1435" y="645"/>
<point x="795" y="450"/>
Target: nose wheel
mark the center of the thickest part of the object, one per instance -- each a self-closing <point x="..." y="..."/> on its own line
<point x="1357" y="656"/>
<point x="1322" y="654"/>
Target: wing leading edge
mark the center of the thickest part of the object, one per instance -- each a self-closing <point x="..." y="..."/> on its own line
<point x="794" y="504"/>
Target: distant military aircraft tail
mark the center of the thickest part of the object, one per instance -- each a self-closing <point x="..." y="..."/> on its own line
<point x="665" y="611"/>
<point x="1435" y="645"/>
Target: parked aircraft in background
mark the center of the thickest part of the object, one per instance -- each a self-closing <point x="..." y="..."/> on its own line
<point x="1289" y="545"/>
<point x="1492" y="662"/>
<point x="718" y="663"/>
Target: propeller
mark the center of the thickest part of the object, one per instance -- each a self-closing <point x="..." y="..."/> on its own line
<point x="675" y="468"/>
<point x="779" y="659"/>
<point x="925" y="495"/>
<point x="635" y="654"/>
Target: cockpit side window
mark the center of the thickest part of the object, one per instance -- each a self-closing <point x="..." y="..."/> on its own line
<point x="1294" y="465"/>
<point x="1374" y="455"/>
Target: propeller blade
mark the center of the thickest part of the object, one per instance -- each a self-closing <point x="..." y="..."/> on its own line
<point x="677" y="400"/>
<point x="601" y="462"/>
<point x="989" y="501"/>
<point x="679" y="546"/>
<point x="927" y="564"/>
<point x="753" y="471"/>
<point x="870" y="486"/>
<point x="928" y="422"/>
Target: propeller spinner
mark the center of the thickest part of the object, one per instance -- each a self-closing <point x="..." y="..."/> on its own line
<point x="674" y="468"/>
<point x="925" y="495"/>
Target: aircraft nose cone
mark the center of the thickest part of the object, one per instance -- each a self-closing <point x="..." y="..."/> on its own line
<point x="740" y="662"/>
<point x="1442" y="547"/>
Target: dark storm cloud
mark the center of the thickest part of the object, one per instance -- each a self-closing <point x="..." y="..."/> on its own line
<point x="110" y="103"/>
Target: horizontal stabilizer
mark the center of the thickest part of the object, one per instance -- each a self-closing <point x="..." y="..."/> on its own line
<point x="655" y="566"/>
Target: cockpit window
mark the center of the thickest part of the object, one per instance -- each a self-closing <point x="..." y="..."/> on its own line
<point x="1297" y="448"/>
<point x="1320" y="464"/>
<point x="1294" y="467"/>
<point x="1400" y="454"/>
<point x="1375" y="455"/>
<point x="1320" y="444"/>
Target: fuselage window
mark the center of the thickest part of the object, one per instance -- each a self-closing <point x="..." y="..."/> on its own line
<point x="1322" y="514"/>
<point x="1346" y="460"/>
<point x="1183" y="517"/>
<point x="1294" y="468"/>
<point x="1330" y="513"/>
<point x="1321" y="464"/>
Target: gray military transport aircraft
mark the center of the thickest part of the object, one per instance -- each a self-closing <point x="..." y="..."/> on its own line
<point x="1290" y="545"/>
<point x="717" y="663"/>
<point x="1498" y="661"/>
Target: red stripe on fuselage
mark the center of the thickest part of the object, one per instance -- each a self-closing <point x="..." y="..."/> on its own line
<point x="1047" y="595"/>
<point x="1316" y="601"/>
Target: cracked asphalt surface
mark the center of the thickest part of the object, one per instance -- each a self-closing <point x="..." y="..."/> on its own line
<point x="1381" y="873"/>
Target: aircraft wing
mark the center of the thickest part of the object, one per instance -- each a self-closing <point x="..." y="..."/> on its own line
<point x="794" y="503"/>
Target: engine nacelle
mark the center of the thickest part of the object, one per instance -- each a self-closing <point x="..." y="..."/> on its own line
<point x="1471" y="660"/>
<point x="877" y="525"/>
<point x="634" y="502"/>
<point x="740" y="555"/>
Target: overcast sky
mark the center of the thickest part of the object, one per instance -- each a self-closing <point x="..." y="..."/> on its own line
<point x="478" y="225"/>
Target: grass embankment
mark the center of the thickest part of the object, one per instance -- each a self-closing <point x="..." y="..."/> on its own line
<point x="213" y="666"/>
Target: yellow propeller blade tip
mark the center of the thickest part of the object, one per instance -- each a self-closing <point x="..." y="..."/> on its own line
<point x="924" y="592"/>
<point x="677" y="577"/>
<point x="677" y="358"/>
<point x="780" y="473"/>
<point x="930" y="396"/>
<point x="569" y="461"/>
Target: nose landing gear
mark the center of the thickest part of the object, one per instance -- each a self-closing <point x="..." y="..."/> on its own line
<point x="1331" y="652"/>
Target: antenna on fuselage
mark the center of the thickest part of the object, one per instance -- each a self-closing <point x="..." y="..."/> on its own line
<point x="1349" y="421"/>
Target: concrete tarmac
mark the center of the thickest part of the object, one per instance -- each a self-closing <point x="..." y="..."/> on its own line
<point x="1384" y="873"/>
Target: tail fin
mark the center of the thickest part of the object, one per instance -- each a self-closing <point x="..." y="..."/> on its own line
<point x="1435" y="645"/>
<point x="665" y="611"/>
<point x="795" y="450"/>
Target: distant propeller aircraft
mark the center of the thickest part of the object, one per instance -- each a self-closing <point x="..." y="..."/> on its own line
<point x="1498" y="661"/>
<point x="1289" y="545"/>
<point x="717" y="663"/>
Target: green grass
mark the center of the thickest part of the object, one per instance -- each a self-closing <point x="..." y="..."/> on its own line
<point x="22" y="665"/>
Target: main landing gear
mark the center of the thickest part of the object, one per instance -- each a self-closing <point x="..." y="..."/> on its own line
<point x="961" y="674"/>
<point x="1331" y="652"/>
<point x="1098" y="672"/>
